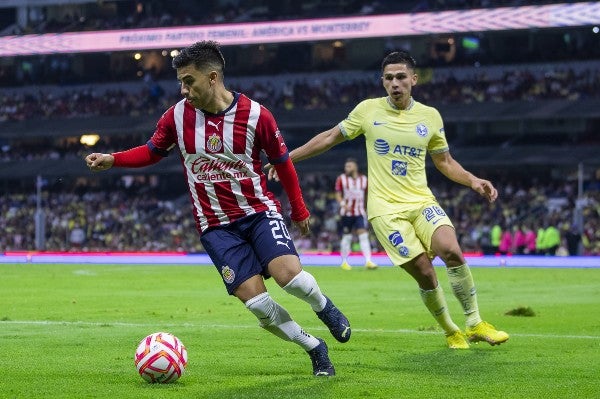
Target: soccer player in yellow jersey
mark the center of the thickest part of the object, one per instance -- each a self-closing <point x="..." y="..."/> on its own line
<point x="407" y="220"/>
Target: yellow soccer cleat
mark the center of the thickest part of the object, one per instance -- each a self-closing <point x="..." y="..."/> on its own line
<point x="345" y="266"/>
<point x="484" y="331"/>
<point x="457" y="340"/>
<point x="370" y="265"/>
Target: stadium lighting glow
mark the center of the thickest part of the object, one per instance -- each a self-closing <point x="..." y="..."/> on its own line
<point x="89" y="139"/>
<point x="137" y="56"/>
<point x="174" y="53"/>
<point x="595" y="29"/>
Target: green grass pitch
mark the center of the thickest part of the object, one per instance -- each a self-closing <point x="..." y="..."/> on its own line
<point x="70" y="331"/>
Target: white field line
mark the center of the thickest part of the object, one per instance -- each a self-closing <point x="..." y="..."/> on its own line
<point x="237" y="326"/>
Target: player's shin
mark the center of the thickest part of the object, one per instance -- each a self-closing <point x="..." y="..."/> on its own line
<point x="275" y="319"/>
<point x="435" y="301"/>
<point x="345" y="246"/>
<point x="305" y="287"/>
<point x="462" y="284"/>
<point x="365" y="245"/>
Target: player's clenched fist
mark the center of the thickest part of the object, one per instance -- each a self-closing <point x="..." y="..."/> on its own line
<point x="97" y="162"/>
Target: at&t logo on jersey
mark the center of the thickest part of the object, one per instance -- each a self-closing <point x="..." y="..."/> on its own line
<point x="399" y="168"/>
<point x="381" y="147"/>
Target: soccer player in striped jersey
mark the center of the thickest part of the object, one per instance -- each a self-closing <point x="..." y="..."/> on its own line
<point x="350" y="192"/>
<point x="406" y="218"/>
<point x="219" y="135"/>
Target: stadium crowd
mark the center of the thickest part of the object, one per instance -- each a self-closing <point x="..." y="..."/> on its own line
<point x="136" y="216"/>
<point x="306" y="92"/>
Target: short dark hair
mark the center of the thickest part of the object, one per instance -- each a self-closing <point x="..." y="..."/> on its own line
<point x="399" y="57"/>
<point x="350" y="159"/>
<point x="204" y="54"/>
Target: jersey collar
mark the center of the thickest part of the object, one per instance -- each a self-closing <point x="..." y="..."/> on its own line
<point x="410" y="104"/>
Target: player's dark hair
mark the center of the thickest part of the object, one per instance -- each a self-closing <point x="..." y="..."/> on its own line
<point x="350" y="159"/>
<point x="204" y="55"/>
<point x="399" y="57"/>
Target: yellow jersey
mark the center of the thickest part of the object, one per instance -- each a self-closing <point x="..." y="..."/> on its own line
<point x="397" y="142"/>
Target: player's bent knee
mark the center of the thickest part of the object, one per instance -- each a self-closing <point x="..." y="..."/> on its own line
<point x="452" y="257"/>
<point x="284" y="268"/>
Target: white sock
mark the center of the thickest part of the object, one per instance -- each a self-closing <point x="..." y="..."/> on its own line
<point x="462" y="284"/>
<point x="365" y="245"/>
<point x="436" y="303"/>
<point x="305" y="287"/>
<point x="345" y="246"/>
<point x="275" y="319"/>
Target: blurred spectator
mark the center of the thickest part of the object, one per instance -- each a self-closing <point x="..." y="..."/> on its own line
<point x="551" y="238"/>
<point x="506" y="242"/>
<point x="530" y="240"/>
<point x="496" y="237"/>
<point x="519" y="240"/>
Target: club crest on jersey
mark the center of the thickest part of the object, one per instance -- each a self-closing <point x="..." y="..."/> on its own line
<point x="403" y="251"/>
<point x="381" y="147"/>
<point x="399" y="168"/>
<point x="228" y="274"/>
<point x="421" y="130"/>
<point x="214" y="143"/>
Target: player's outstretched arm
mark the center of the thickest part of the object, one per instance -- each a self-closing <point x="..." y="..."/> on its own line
<point x="313" y="147"/>
<point x="98" y="162"/>
<point x="450" y="168"/>
<point x="318" y="144"/>
<point x="136" y="157"/>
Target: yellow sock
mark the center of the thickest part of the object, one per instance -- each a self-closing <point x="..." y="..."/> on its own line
<point x="436" y="303"/>
<point x="462" y="284"/>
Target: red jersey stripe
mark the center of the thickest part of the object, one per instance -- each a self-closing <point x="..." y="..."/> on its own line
<point x="203" y="213"/>
<point x="189" y="128"/>
<point x="242" y="114"/>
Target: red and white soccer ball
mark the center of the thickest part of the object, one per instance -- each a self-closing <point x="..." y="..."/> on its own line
<point x="161" y="357"/>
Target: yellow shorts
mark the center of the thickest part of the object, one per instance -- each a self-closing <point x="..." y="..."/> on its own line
<point x="406" y="234"/>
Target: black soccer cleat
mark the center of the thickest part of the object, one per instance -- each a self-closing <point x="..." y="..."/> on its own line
<point x="319" y="356"/>
<point x="338" y="324"/>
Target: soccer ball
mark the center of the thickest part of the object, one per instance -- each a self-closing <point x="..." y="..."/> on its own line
<point x="161" y="357"/>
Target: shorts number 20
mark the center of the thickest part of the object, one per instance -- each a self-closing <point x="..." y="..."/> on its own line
<point x="279" y="230"/>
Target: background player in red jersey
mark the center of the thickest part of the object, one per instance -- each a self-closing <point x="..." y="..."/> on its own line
<point x="220" y="135"/>
<point x="350" y="192"/>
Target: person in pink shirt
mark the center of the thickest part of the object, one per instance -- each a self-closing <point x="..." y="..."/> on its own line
<point x="519" y="242"/>
<point x="506" y="242"/>
<point x="530" y="239"/>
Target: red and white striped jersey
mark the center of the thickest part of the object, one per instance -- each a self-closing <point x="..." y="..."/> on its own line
<point x="221" y="158"/>
<point x="353" y="192"/>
